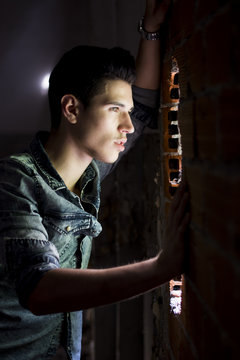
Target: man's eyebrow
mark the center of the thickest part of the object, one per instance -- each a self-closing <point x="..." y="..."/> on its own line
<point x="119" y="104"/>
<point x="115" y="103"/>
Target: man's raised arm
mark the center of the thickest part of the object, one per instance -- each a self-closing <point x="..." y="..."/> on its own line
<point x="148" y="58"/>
<point x="145" y="94"/>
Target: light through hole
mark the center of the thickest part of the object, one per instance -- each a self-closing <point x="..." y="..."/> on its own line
<point x="174" y="170"/>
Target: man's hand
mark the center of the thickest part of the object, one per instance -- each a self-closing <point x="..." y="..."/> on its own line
<point x="155" y="14"/>
<point x="174" y="247"/>
<point x="148" y="59"/>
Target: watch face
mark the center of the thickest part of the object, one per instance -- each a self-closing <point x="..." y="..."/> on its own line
<point x="147" y="35"/>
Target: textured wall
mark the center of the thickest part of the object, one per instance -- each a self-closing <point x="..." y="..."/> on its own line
<point x="203" y="38"/>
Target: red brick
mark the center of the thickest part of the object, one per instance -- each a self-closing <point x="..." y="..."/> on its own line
<point x="215" y="344"/>
<point x="208" y="337"/>
<point x="219" y="207"/>
<point x="179" y="28"/>
<point x="174" y="333"/>
<point x="200" y="269"/>
<point x="167" y="207"/>
<point x="196" y="181"/>
<point x="227" y="295"/>
<point x="217" y="229"/>
<point x="166" y="81"/>
<point x="167" y="171"/>
<point x="206" y="8"/>
<point x="229" y="124"/>
<point x="165" y="129"/>
<point x="235" y="40"/>
<point x="217" y="184"/>
<point x="178" y="341"/>
<point x="166" y="145"/>
<point x="206" y="127"/>
<point x="196" y="63"/>
<point x="219" y="46"/>
<point x="209" y="206"/>
<point x="185" y="351"/>
<point x="180" y="56"/>
<point x="235" y="224"/>
<point x="164" y="119"/>
<point x="192" y="316"/>
<point x="218" y="284"/>
<point x="186" y="125"/>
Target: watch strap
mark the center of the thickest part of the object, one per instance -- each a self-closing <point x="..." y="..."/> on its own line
<point x="145" y="34"/>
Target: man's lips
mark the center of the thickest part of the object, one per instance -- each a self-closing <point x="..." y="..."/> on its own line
<point x="120" y="143"/>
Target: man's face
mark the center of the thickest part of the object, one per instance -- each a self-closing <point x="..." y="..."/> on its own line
<point x="103" y="126"/>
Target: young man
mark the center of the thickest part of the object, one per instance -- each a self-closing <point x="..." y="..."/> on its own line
<point x="49" y="200"/>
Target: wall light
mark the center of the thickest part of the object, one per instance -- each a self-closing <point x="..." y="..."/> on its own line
<point x="45" y="82"/>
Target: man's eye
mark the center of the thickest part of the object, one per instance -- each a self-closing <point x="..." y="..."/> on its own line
<point x="114" y="108"/>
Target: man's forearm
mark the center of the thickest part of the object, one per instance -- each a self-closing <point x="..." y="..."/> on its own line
<point x="64" y="290"/>
<point x="148" y="64"/>
<point x="148" y="59"/>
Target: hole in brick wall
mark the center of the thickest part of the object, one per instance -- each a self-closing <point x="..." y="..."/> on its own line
<point x="173" y="129"/>
<point x="172" y="115"/>
<point x="175" y="296"/>
<point x="174" y="93"/>
<point x="174" y="164"/>
<point x="173" y="143"/>
<point x="176" y="287"/>
<point x="174" y="176"/>
<point x="176" y="79"/>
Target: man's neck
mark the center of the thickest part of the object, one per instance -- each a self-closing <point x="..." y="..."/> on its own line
<point x="69" y="161"/>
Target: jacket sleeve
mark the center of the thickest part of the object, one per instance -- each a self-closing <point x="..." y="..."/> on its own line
<point x="145" y="112"/>
<point x="25" y="250"/>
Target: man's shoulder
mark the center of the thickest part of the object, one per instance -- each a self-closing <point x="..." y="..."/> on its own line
<point x="146" y="97"/>
<point x="18" y="162"/>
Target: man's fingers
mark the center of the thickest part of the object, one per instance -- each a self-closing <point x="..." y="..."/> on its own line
<point x="157" y="7"/>
<point x="178" y="196"/>
<point x="184" y="223"/>
<point x="181" y="209"/>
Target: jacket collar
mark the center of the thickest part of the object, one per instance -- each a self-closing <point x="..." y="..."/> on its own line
<point x="90" y="193"/>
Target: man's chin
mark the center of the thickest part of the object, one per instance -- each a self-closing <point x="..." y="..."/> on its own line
<point x="107" y="160"/>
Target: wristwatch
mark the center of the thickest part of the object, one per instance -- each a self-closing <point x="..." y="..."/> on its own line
<point x="147" y="35"/>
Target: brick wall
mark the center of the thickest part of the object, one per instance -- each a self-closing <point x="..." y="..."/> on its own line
<point x="199" y="99"/>
<point x="203" y="38"/>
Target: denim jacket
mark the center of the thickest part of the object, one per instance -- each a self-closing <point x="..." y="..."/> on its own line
<point x="45" y="226"/>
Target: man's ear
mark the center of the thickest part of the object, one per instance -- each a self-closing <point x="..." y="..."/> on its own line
<point x="71" y="107"/>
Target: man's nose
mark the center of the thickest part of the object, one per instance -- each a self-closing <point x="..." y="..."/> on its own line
<point x="126" y="125"/>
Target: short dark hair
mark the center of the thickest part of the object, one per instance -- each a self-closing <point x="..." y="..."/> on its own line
<point x="82" y="72"/>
